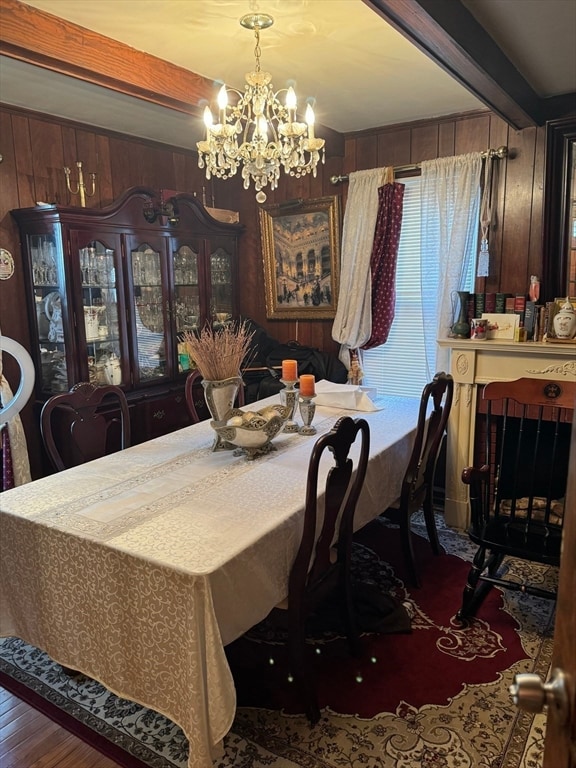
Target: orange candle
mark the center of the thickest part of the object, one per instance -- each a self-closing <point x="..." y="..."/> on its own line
<point x="307" y="381"/>
<point x="289" y="370"/>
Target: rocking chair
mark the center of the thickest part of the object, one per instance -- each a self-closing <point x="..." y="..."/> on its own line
<point x="517" y="495"/>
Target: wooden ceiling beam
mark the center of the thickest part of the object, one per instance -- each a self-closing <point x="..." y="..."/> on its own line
<point x="46" y="41"/>
<point x="448" y="33"/>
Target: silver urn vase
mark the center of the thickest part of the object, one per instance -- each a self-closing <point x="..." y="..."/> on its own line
<point x="220" y="397"/>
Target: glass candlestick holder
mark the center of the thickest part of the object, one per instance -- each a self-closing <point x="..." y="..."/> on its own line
<point x="288" y="397"/>
<point x="307" y="410"/>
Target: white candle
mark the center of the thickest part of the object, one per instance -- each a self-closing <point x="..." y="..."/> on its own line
<point x="310" y="120"/>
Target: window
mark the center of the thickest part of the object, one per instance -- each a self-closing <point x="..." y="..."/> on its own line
<point x="398" y="367"/>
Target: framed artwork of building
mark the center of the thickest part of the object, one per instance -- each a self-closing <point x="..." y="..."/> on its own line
<point x="301" y="253"/>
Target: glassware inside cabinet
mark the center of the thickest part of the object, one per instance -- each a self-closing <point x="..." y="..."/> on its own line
<point x="148" y="312"/>
<point x="186" y="289"/>
<point x="221" y="284"/>
<point x="47" y="297"/>
<point x="100" y="305"/>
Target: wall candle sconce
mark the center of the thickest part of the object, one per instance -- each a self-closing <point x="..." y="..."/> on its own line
<point x="81" y="188"/>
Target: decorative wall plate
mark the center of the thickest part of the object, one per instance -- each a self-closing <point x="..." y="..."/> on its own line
<point x="6" y="264"/>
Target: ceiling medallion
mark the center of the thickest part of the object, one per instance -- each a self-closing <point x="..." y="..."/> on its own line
<point x="258" y="132"/>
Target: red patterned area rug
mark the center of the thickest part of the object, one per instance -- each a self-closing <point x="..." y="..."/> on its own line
<point x="426" y="693"/>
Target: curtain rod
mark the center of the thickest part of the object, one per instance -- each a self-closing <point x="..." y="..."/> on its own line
<point x="500" y="153"/>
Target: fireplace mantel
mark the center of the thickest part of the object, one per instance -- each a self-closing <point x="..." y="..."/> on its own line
<point x="478" y="362"/>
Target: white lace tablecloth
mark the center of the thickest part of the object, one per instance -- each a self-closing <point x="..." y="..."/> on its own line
<point x="138" y="568"/>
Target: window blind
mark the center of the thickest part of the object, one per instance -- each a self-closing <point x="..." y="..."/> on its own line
<point x="398" y="367"/>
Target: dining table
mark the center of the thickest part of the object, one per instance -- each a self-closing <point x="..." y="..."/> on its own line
<point x="138" y="568"/>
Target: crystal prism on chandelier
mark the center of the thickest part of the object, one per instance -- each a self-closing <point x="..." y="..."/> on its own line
<point x="259" y="133"/>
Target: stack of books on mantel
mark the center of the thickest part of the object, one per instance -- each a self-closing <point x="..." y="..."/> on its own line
<point x="537" y="320"/>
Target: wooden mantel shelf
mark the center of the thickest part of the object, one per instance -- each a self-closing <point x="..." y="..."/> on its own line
<point x="510" y="347"/>
<point x="474" y="363"/>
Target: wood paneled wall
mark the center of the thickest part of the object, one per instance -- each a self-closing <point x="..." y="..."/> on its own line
<point x="35" y="148"/>
<point x="515" y="241"/>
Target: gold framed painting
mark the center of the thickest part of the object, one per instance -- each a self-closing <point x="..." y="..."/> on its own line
<point x="301" y="254"/>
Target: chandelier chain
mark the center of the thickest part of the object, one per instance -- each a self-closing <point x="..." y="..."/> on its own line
<point x="257" y="50"/>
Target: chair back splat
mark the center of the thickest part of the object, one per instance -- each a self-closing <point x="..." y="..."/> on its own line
<point x="314" y="563"/>
<point x="418" y="483"/>
<point x="517" y="490"/>
<point x="85" y="423"/>
<point x="322" y="564"/>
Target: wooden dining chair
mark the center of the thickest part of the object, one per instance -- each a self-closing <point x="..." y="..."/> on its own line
<point x="418" y="482"/>
<point x="321" y="568"/>
<point x="517" y="489"/>
<point x="85" y="423"/>
<point x="193" y="378"/>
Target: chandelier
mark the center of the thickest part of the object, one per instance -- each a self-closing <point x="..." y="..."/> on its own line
<point x="258" y="132"/>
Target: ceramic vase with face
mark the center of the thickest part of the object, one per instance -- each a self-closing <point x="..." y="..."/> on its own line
<point x="565" y="321"/>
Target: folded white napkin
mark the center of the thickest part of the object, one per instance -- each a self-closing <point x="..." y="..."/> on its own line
<point x="349" y="396"/>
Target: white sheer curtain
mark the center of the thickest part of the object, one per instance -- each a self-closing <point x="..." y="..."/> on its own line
<point x="449" y="243"/>
<point x="353" y="322"/>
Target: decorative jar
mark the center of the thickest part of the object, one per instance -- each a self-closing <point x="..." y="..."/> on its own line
<point x="565" y="321"/>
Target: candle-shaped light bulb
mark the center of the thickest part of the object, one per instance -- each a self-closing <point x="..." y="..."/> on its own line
<point x="310" y="119"/>
<point x="291" y="103"/>
<point x="222" y="103"/>
<point x="262" y="127"/>
<point x="307" y="382"/>
<point x="289" y="370"/>
<point x="208" y="121"/>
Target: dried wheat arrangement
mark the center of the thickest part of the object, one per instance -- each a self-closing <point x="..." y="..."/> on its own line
<point x="219" y="353"/>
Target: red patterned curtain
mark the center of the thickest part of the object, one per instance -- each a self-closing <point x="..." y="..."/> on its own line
<point x="383" y="261"/>
<point x="6" y="456"/>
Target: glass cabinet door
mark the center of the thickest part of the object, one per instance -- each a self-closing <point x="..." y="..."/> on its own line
<point x="101" y="314"/>
<point x="186" y="299"/>
<point x="48" y="287"/>
<point x="150" y="352"/>
<point x="186" y="289"/>
<point x="221" y="284"/>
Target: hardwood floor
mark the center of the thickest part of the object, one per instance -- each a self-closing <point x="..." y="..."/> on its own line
<point x="29" y="739"/>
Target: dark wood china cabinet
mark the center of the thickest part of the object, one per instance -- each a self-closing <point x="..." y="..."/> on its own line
<point x="111" y="290"/>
